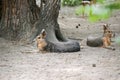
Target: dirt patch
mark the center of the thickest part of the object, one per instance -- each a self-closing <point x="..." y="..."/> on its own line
<point x="23" y="62"/>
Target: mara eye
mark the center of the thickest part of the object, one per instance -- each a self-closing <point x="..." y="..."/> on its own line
<point x="109" y="31"/>
<point x="39" y="37"/>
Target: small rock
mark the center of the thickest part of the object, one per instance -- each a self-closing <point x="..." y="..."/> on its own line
<point x="76" y="26"/>
<point x="94" y="65"/>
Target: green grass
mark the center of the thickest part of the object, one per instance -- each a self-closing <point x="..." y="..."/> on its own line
<point x="99" y="13"/>
<point x="94" y="13"/>
<point x="100" y="1"/>
<point x="113" y="6"/>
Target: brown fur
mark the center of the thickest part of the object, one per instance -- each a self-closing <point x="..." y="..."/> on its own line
<point x="104" y="41"/>
<point x="108" y="34"/>
<point x="46" y="46"/>
<point x="41" y="42"/>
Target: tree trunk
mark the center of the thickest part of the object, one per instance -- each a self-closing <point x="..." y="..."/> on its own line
<point x="0" y="9"/>
<point x="18" y="17"/>
<point x="23" y="20"/>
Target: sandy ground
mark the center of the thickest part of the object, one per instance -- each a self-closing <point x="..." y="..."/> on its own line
<point x="23" y="62"/>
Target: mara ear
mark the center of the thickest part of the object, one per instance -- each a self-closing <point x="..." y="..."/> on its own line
<point x="43" y="33"/>
<point x="105" y="26"/>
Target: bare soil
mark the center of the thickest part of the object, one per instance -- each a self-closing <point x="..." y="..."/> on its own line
<point x="23" y="62"/>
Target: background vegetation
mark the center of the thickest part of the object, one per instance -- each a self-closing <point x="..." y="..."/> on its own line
<point x="95" y="13"/>
<point x="71" y="2"/>
<point x="75" y="2"/>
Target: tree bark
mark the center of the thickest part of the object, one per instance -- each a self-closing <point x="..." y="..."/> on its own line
<point x="23" y="20"/>
<point x="17" y="19"/>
